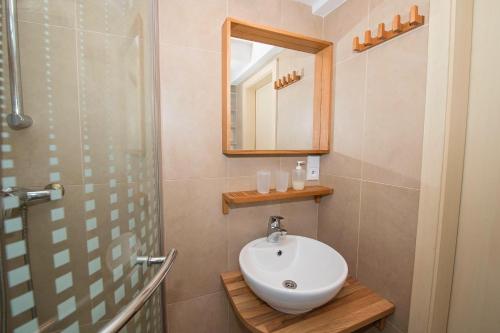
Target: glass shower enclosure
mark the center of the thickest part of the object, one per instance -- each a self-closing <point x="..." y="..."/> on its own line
<point x="79" y="164"/>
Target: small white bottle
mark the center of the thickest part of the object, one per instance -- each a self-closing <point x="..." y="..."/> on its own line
<point x="298" y="176"/>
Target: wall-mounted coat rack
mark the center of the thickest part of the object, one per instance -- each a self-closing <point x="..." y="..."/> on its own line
<point x="287" y="80"/>
<point x="383" y="35"/>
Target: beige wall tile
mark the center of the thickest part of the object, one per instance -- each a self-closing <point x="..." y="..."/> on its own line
<point x="126" y="18"/>
<point x="257" y="11"/>
<point x="348" y="118"/>
<point x="245" y="224"/>
<point x="248" y="166"/>
<point x="301" y="217"/>
<point x="338" y="221"/>
<point x="192" y="23"/>
<point x="59" y="12"/>
<point x="387" y="244"/>
<point x="206" y="314"/>
<point x="296" y="17"/>
<point x="192" y="145"/>
<point x="241" y="184"/>
<point x="395" y="110"/>
<point x="342" y="25"/>
<point x="195" y="225"/>
<point x="113" y="118"/>
<point x="235" y="324"/>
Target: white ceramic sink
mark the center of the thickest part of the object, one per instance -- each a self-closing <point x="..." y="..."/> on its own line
<point x="317" y="270"/>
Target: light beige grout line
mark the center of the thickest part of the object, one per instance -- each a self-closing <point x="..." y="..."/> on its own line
<point x="373" y="182"/>
<point x="50" y="25"/>
<point x="80" y="29"/>
<point x="197" y="297"/>
<point x="226" y="178"/>
<point x="166" y="44"/>
<point x="396" y="328"/>
<point x="362" y="151"/>
<point x="391" y="185"/>
<point x="78" y="99"/>
<point x="323" y="36"/>
<point x="200" y="178"/>
<point x="249" y="177"/>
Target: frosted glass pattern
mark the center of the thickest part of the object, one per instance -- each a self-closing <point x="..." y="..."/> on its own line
<point x="69" y="265"/>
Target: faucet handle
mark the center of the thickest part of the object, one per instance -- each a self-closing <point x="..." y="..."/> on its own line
<point x="275" y="219"/>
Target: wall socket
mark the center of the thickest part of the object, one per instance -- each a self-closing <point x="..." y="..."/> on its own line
<point x="312" y="167"/>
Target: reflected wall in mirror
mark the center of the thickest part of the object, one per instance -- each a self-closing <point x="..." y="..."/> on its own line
<point x="272" y="91"/>
<point x="276" y="91"/>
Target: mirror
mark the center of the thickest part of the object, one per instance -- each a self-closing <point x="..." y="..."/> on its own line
<point x="276" y="91"/>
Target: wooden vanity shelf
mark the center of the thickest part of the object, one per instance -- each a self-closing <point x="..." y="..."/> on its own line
<point x="354" y="307"/>
<point x="248" y="197"/>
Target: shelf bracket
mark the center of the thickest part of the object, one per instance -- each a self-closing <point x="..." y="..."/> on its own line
<point x="225" y="206"/>
<point x="380" y="324"/>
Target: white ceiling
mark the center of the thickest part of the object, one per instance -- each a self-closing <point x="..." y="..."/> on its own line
<point x="248" y="57"/>
<point x="322" y="7"/>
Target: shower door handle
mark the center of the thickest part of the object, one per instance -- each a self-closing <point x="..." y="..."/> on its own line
<point x="30" y="197"/>
<point x="150" y="260"/>
<point x="122" y="318"/>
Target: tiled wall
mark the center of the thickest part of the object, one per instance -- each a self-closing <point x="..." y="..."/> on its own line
<point x="375" y="164"/>
<point x="87" y="85"/>
<point x="195" y="172"/>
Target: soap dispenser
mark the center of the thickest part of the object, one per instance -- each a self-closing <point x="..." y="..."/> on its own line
<point x="298" y="176"/>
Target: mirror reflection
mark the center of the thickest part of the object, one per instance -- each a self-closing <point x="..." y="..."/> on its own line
<point x="272" y="92"/>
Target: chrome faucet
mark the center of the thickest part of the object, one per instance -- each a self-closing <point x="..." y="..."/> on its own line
<point x="274" y="230"/>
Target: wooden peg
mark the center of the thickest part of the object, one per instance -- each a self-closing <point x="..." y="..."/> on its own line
<point x="415" y="18"/>
<point x="285" y="81"/>
<point x="396" y="24"/>
<point x="290" y="78"/>
<point x="355" y="44"/>
<point x="368" y="38"/>
<point x="294" y="76"/>
<point x="381" y="31"/>
<point x="276" y="85"/>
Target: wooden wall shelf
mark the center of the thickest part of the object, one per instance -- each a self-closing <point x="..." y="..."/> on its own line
<point x="248" y="197"/>
<point x="354" y="307"/>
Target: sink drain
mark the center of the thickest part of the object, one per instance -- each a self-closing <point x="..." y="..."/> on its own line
<point x="289" y="284"/>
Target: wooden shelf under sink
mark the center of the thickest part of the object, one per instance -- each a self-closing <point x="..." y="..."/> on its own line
<point x="248" y="197"/>
<point x="354" y="307"/>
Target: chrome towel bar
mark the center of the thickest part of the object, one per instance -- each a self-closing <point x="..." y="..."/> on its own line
<point x="17" y="119"/>
<point x="122" y="318"/>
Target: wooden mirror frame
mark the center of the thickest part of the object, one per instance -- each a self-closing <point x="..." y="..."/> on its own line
<point x="323" y="73"/>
